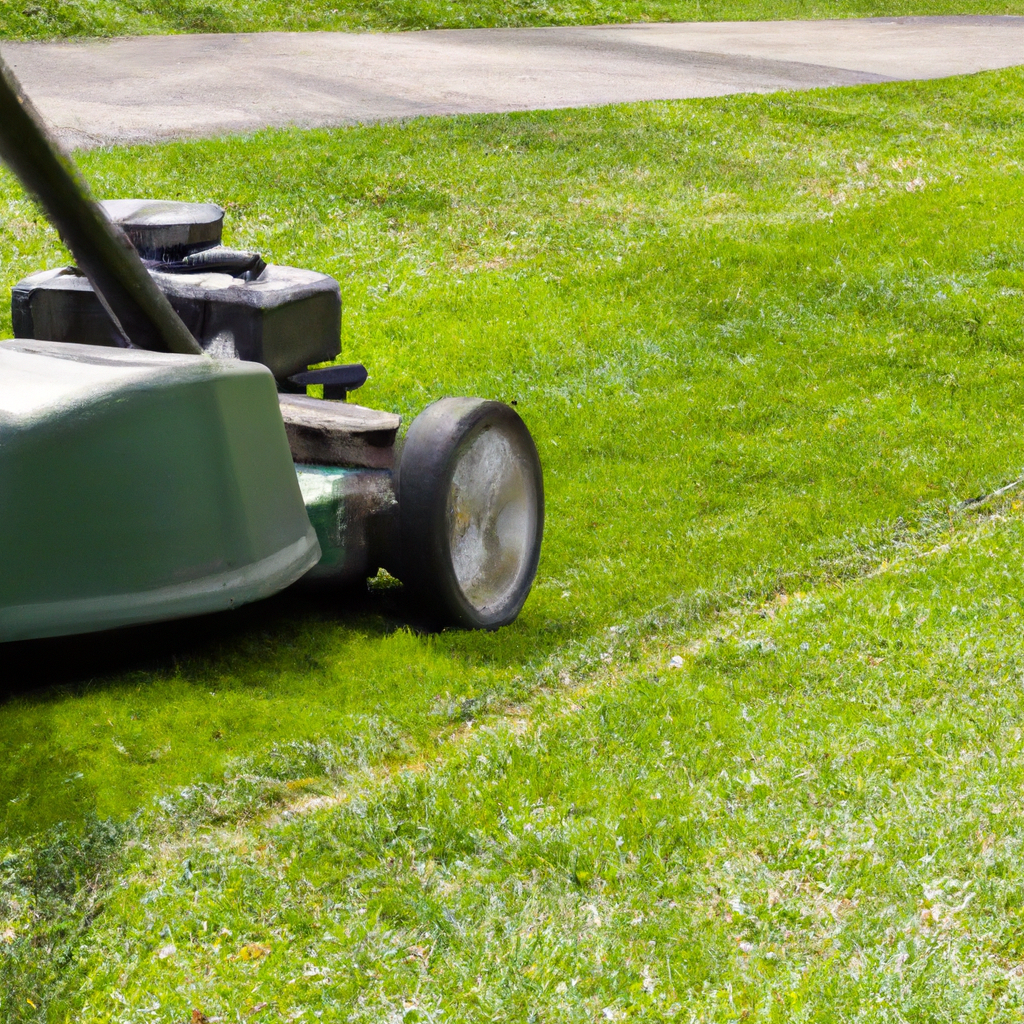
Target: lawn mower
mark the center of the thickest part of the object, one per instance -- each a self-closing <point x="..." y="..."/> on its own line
<point x="160" y="456"/>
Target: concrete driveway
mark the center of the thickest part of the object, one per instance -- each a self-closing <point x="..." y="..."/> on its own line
<point x="159" y="87"/>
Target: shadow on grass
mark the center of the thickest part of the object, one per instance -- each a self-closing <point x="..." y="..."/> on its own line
<point x="72" y="662"/>
<point x="96" y="726"/>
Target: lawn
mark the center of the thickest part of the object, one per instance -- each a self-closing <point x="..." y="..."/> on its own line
<point x="47" y="19"/>
<point x="763" y="344"/>
<point x="817" y="817"/>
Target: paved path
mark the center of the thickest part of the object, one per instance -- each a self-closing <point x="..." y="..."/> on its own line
<point x="158" y="87"/>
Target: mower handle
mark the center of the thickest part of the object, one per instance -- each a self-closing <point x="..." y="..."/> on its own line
<point x="140" y="311"/>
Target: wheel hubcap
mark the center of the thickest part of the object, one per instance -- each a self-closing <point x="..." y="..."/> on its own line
<point x="492" y="518"/>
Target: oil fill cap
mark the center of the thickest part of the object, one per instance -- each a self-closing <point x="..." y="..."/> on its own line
<point x="165" y="230"/>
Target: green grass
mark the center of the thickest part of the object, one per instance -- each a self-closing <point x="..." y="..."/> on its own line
<point x="761" y="341"/>
<point x="817" y="818"/>
<point x="45" y="19"/>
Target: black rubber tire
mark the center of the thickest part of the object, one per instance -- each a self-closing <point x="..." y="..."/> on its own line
<point x="436" y="441"/>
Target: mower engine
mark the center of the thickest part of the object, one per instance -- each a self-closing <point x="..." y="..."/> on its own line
<point x="235" y="305"/>
<point x="456" y="514"/>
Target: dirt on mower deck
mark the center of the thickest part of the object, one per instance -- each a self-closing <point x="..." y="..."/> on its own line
<point x="158" y="87"/>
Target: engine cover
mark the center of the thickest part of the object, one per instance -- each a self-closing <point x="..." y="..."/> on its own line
<point x="286" y="319"/>
<point x="283" y="317"/>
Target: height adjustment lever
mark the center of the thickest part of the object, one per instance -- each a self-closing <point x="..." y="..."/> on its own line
<point x="338" y="381"/>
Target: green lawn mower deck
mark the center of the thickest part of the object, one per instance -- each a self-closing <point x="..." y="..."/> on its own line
<point x="159" y="457"/>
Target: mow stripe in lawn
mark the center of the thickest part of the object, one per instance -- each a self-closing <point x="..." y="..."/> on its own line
<point x="754" y="337"/>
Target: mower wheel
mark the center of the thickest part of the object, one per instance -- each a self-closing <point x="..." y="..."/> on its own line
<point x="471" y="511"/>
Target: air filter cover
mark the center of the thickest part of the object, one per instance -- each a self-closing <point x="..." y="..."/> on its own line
<point x="166" y="230"/>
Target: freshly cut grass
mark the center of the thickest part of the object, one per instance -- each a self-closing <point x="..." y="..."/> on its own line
<point x="816" y="817"/>
<point x="759" y="340"/>
<point x="44" y="19"/>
